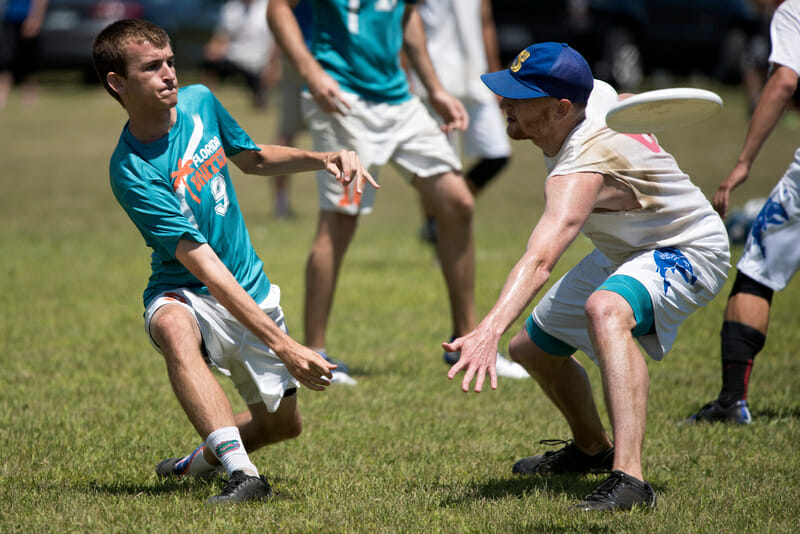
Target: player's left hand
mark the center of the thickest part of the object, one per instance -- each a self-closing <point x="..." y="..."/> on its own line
<point x="451" y="110"/>
<point x="478" y="356"/>
<point x="346" y="167"/>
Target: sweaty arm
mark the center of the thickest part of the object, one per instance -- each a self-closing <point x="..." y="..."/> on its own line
<point x="274" y="160"/>
<point x="324" y="89"/>
<point x="304" y="364"/>
<point x="775" y="96"/>
<point x="449" y="108"/>
<point x="570" y="200"/>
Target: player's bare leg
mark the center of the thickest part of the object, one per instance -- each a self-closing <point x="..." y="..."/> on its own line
<point x="334" y="233"/>
<point x="175" y="331"/>
<point x="626" y="381"/>
<point x="565" y="382"/>
<point x="448" y="199"/>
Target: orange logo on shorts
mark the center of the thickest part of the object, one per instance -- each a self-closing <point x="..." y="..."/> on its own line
<point x="349" y="197"/>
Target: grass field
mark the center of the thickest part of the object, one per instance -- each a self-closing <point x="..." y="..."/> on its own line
<point x="87" y="410"/>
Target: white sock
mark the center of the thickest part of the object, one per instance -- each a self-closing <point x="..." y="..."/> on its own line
<point x="194" y="464"/>
<point x="227" y="446"/>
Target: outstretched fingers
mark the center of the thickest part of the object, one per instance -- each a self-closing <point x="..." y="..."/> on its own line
<point x="346" y="166"/>
<point x="475" y="365"/>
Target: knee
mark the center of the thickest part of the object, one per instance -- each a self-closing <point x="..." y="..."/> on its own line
<point x="172" y="329"/>
<point x="456" y="202"/>
<point x="524" y="351"/>
<point x="517" y="352"/>
<point x="294" y="428"/>
<point x="609" y="313"/>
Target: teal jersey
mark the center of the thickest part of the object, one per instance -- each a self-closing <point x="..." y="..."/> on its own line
<point x="179" y="188"/>
<point x="358" y="43"/>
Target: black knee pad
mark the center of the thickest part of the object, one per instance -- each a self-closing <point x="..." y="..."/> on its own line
<point x="485" y="170"/>
<point x="745" y="284"/>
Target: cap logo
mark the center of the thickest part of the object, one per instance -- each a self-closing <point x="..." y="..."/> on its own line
<point x="520" y="59"/>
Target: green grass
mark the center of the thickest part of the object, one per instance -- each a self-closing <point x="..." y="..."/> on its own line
<point x="87" y="411"/>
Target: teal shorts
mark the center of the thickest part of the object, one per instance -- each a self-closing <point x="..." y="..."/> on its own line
<point x="634" y="293"/>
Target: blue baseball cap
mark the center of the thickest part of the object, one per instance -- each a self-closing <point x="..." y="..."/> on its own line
<point x="544" y="69"/>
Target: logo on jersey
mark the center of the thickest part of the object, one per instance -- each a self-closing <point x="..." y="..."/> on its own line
<point x="199" y="166"/>
<point x="671" y="260"/>
<point x="519" y="60"/>
<point x="772" y="214"/>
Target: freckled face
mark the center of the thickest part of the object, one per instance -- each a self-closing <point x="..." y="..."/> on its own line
<point x="529" y="118"/>
<point x="151" y="80"/>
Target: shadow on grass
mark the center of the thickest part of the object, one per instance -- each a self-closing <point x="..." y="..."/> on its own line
<point x="158" y="488"/>
<point x="772" y="414"/>
<point x="519" y="487"/>
<point x="153" y="488"/>
<point x="575" y="487"/>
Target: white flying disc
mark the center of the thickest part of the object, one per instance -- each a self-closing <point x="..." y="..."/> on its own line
<point x="662" y="109"/>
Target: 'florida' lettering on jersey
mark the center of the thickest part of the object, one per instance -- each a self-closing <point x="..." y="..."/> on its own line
<point x="179" y="188"/>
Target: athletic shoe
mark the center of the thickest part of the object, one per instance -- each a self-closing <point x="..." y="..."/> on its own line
<point x="618" y="492"/>
<point x="450" y="358"/>
<point x="341" y="375"/>
<point x="568" y="459"/>
<point x="509" y="369"/>
<point x="503" y="366"/>
<point x="172" y="467"/>
<point x="242" y="487"/>
<point x="714" y="412"/>
<point x="428" y="232"/>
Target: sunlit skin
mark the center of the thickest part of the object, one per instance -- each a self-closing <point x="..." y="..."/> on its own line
<point x="536" y="119"/>
<point x="149" y="89"/>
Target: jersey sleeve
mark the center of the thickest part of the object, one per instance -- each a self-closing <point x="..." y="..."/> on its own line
<point x="151" y="204"/>
<point x="234" y="138"/>
<point x="785" y="37"/>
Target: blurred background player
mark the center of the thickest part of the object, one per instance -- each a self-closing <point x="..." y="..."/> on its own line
<point x="462" y="43"/>
<point x="19" y="47"/>
<point x="771" y="255"/>
<point x="358" y="96"/>
<point x="242" y="46"/>
<point x="291" y="121"/>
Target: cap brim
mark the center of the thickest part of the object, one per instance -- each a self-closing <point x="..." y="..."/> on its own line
<point x="504" y="84"/>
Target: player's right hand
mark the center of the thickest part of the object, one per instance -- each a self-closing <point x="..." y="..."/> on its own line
<point x="346" y="167"/>
<point x="327" y="94"/>
<point x="309" y="368"/>
<point x="736" y="178"/>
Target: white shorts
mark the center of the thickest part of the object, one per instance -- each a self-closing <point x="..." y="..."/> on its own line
<point x="772" y="255"/>
<point x="674" y="291"/>
<point x="486" y="136"/>
<point x="403" y="133"/>
<point x="258" y="374"/>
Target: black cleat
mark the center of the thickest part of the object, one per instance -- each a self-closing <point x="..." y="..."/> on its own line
<point x="242" y="488"/>
<point x="568" y="459"/>
<point x="714" y="412"/>
<point x="618" y="492"/>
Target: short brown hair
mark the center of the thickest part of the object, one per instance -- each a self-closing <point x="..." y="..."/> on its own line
<point x="108" y="48"/>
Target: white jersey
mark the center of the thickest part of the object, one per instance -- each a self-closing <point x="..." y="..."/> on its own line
<point x="785" y="39"/>
<point x="674" y="212"/>
<point x="455" y="43"/>
<point x="785" y="35"/>
<point x="244" y="23"/>
<point x="771" y="256"/>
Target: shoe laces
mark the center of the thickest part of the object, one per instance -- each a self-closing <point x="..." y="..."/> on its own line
<point x="550" y="456"/>
<point x="233" y="483"/>
<point x="607" y="489"/>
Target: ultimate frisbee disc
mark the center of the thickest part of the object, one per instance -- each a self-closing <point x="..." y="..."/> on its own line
<point x="662" y="109"/>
